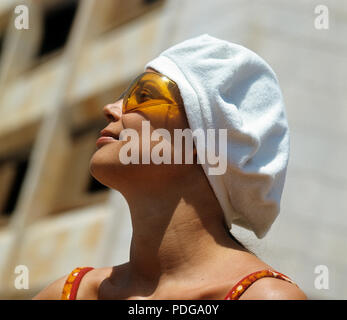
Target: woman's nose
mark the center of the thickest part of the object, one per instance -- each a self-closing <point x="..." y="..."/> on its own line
<point x="113" y="111"/>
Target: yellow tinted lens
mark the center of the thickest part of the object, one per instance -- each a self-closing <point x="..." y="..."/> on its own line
<point x="151" y="89"/>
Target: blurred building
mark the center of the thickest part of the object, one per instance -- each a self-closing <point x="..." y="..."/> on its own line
<point x="77" y="56"/>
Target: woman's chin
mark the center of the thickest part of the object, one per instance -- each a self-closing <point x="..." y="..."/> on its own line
<point x="107" y="171"/>
<point x="99" y="168"/>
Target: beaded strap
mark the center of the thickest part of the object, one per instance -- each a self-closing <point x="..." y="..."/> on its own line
<point x="243" y="284"/>
<point x="72" y="283"/>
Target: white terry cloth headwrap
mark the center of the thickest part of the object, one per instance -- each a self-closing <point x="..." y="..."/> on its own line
<point x="226" y="86"/>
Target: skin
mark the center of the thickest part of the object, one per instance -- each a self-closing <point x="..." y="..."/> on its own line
<point x="179" y="247"/>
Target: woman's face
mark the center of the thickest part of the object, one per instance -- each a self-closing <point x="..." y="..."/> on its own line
<point x="106" y="165"/>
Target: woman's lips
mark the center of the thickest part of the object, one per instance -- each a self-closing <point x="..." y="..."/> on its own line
<point x="105" y="138"/>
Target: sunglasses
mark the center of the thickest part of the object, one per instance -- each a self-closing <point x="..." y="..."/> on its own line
<point x="150" y="89"/>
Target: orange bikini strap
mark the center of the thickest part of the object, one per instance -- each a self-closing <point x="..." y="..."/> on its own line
<point x="73" y="281"/>
<point x="244" y="283"/>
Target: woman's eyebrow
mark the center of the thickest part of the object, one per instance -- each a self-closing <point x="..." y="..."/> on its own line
<point x="151" y="85"/>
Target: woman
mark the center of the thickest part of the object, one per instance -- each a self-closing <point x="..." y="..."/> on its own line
<point x="182" y="213"/>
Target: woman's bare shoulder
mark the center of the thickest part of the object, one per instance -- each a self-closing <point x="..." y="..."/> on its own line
<point x="266" y="288"/>
<point x="88" y="287"/>
<point x="273" y="289"/>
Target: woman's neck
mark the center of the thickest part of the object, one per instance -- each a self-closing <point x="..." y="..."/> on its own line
<point x="177" y="236"/>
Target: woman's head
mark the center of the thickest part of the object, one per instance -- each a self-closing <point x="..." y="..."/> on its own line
<point x="232" y="93"/>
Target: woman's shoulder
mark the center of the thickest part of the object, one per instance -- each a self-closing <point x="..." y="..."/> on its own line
<point x="260" y="281"/>
<point x="87" y="290"/>
<point x="273" y="289"/>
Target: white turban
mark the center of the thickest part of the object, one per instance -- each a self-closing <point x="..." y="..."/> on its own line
<point x="226" y="86"/>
